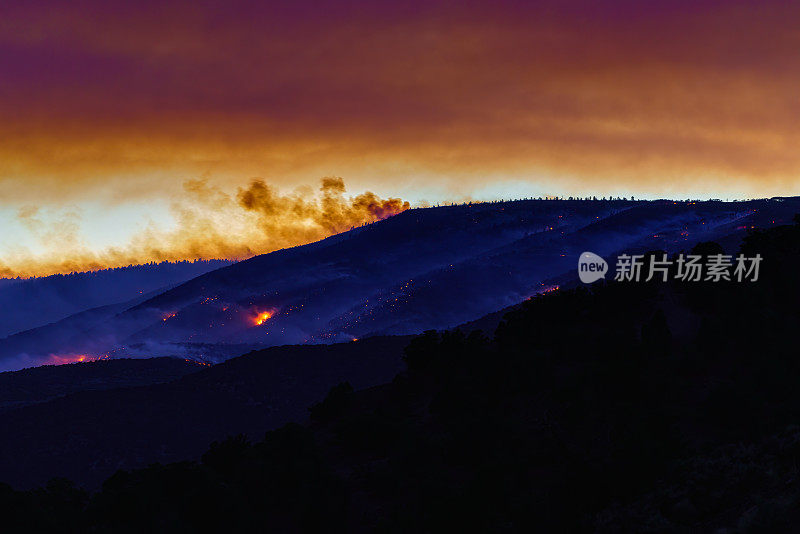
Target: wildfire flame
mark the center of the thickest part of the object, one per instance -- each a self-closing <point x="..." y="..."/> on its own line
<point x="168" y="316"/>
<point x="62" y="359"/>
<point x="262" y="317"/>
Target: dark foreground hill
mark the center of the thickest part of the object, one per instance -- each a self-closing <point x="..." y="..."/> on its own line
<point x="40" y="384"/>
<point x="89" y="434"/>
<point x="623" y="407"/>
<point x="431" y="268"/>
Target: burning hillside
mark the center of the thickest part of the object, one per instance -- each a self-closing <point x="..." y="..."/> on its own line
<point x="423" y="269"/>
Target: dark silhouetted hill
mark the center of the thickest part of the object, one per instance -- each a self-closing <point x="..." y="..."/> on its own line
<point x="89" y="434"/>
<point x="40" y="384"/>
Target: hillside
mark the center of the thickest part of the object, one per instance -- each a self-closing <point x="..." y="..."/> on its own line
<point x="423" y="269"/>
<point x="30" y="303"/>
<point x="40" y="384"/>
<point x="117" y="414"/>
<point x="586" y="411"/>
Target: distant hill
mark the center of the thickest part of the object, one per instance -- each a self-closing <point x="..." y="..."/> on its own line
<point x="423" y="269"/>
<point x="33" y="302"/>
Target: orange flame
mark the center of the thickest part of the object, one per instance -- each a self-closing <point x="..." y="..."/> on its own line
<point x="62" y="359"/>
<point x="262" y="317"/>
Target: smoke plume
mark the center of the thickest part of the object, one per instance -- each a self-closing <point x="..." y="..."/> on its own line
<point x="210" y="223"/>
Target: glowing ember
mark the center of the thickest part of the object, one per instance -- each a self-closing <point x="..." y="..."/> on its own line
<point x="168" y="316"/>
<point x="197" y="362"/>
<point x="62" y="359"/>
<point x="262" y="317"/>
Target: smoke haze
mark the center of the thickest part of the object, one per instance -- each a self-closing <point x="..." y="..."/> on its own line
<point x="210" y="223"/>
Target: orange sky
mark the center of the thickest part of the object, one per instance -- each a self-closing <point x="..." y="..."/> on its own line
<point x="120" y="104"/>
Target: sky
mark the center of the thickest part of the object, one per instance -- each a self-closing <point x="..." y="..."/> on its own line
<point x="147" y="131"/>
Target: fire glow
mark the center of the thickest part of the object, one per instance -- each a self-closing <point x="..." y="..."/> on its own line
<point x="262" y="317"/>
<point x="63" y="359"/>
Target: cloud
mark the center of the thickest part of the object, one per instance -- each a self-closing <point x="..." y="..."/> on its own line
<point x="607" y="97"/>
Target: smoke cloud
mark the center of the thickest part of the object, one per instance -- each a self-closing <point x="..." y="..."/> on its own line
<point x="210" y="223"/>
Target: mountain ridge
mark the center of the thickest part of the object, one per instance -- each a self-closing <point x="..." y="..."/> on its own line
<point x="429" y="268"/>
